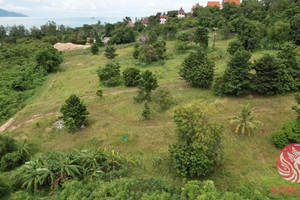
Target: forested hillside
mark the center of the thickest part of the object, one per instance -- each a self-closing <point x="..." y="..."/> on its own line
<point x="196" y="108"/>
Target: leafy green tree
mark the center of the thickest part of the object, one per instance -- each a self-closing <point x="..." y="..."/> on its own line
<point x="249" y="35"/>
<point x="75" y="110"/>
<point x="198" y="69"/>
<point x="110" y="74"/>
<point x="147" y="83"/>
<point x="280" y="32"/>
<point x="198" y="147"/>
<point x="272" y="77"/>
<point x="236" y="80"/>
<point x="95" y="49"/>
<point x="235" y="46"/>
<point x="245" y="124"/>
<point x="295" y="27"/>
<point x="201" y="36"/>
<point x="152" y="37"/>
<point x="288" y="56"/>
<point x="110" y="52"/>
<point x="131" y="76"/>
<point x="162" y="97"/>
<point x="48" y="58"/>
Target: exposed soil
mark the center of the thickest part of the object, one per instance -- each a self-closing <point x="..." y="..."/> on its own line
<point x="69" y="46"/>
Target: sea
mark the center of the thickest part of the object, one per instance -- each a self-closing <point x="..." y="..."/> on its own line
<point x="73" y="22"/>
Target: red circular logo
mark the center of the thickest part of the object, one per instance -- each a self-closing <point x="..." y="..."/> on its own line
<point x="288" y="163"/>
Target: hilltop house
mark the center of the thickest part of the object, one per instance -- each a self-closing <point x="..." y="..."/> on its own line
<point x="213" y="3"/>
<point x="237" y="2"/>
<point x="181" y="13"/>
<point x="195" y="7"/>
<point x="163" y="18"/>
<point x="130" y="24"/>
<point x="144" y="21"/>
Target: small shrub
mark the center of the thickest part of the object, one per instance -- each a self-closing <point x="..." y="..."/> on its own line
<point x="146" y="112"/>
<point x="147" y="84"/>
<point x="95" y="49"/>
<point x="296" y="108"/>
<point x="11" y="160"/>
<point x="131" y="76"/>
<point x="136" y="51"/>
<point x="162" y="97"/>
<point x="289" y="133"/>
<point x="48" y="58"/>
<point x="182" y="47"/>
<point x="99" y="92"/>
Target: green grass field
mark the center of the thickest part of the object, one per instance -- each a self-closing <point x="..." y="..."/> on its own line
<point x="248" y="161"/>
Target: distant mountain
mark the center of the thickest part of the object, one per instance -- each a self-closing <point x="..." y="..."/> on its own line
<point x="4" y="13"/>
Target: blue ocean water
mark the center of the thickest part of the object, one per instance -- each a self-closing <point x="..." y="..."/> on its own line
<point x="72" y="22"/>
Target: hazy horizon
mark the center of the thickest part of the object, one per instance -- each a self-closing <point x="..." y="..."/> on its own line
<point x="90" y="8"/>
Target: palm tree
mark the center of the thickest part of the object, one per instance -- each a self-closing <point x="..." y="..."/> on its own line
<point x="244" y="121"/>
<point x="23" y="147"/>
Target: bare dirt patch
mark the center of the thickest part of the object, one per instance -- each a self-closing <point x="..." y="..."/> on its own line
<point x="69" y="46"/>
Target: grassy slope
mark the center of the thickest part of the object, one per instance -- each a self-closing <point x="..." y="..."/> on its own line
<point x="247" y="161"/>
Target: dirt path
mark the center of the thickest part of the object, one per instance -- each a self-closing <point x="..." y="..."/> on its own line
<point x="36" y="117"/>
<point x="111" y="93"/>
<point x="7" y="124"/>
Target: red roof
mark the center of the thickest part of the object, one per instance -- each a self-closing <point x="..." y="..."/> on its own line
<point x="181" y="12"/>
<point x="164" y="16"/>
<point x="144" y="20"/>
<point x="130" y="24"/>
<point x="237" y="2"/>
<point x="213" y="3"/>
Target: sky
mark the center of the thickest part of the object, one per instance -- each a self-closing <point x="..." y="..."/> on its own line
<point x="96" y="8"/>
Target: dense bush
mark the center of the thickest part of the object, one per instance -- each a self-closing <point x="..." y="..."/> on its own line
<point x="4" y="188"/>
<point x="110" y="75"/>
<point x="131" y="76"/>
<point x="197" y="69"/>
<point x="272" y="77"/>
<point x="198" y="148"/>
<point x="74" y="113"/>
<point x="289" y="133"/>
<point x="163" y="98"/>
<point x="136" y="52"/>
<point x="12" y="153"/>
<point x="48" y="59"/>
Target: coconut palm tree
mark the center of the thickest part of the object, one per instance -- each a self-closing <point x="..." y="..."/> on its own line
<point x="244" y="121"/>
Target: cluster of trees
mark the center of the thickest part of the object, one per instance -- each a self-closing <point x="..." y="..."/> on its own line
<point x="150" y="50"/>
<point x="51" y="32"/>
<point x="268" y="75"/>
<point x="23" y="68"/>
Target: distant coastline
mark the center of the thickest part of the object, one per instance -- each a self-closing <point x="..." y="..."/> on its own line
<point x="5" y="13"/>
